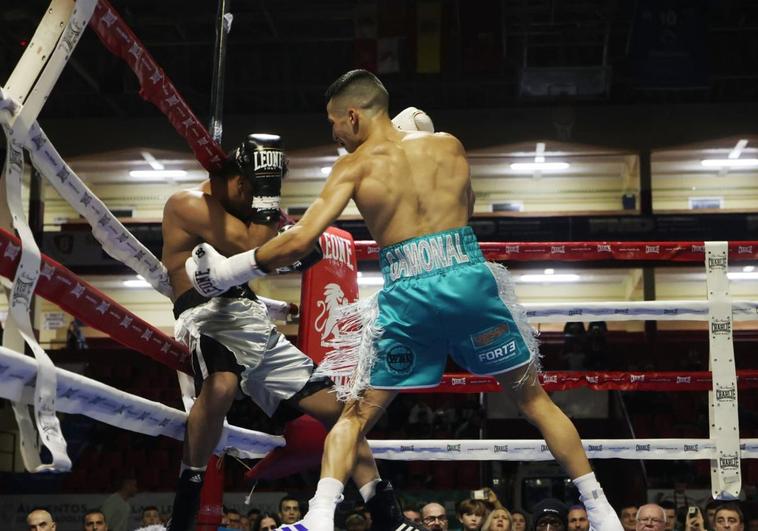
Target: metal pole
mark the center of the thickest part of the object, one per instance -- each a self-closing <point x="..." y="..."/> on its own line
<point x="223" y="27"/>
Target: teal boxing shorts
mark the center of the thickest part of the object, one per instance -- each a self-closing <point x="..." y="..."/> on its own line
<point x="441" y="297"/>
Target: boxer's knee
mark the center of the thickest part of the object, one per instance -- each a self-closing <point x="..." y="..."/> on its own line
<point x="220" y="390"/>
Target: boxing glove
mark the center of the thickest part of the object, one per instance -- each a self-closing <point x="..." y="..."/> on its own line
<point x="413" y="119"/>
<point x="305" y="262"/>
<point x="212" y="273"/>
<point x="261" y="159"/>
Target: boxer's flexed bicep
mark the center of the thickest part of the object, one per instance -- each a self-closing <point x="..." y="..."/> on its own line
<point x="203" y="217"/>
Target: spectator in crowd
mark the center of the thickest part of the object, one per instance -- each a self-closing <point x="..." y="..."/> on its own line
<point x="267" y="522"/>
<point x="412" y="514"/>
<point x="233" y="518"/>
<point x="650" y="517"/>
<point x="116" y="507"/>
<point x="253" y="515"/>
<point x="75" y="339"/>
<point x="244" y="523"/>
<point x="550" y="515"/>
<point x="471" y="514"/>
<point x="693" y="519"/>
<point x="628" y="515"/>
<point x="752" y="523"/>
<point x="289" y="510"/>
<point x="729" y="517"/>
<point x="669" y="507"/>
<point x="356" y="522"/>
<point x="498" y="520"/>
<point x="519" y="520"/>
<point x="577" y="518"/>
<point x="710" y="513"/>
<point x="150" y="516"/>
<point x="94" y="520"/>
<point x="40" y="520"/>
<point x="434" y="517"/>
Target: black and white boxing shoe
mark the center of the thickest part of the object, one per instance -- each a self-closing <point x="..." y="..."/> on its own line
<point x="386" y="514"/>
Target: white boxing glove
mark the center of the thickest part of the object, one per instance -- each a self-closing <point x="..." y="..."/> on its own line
<point x="212" y="274"/>
<point x="279" y="310"/>
<point x="413" y="119"/>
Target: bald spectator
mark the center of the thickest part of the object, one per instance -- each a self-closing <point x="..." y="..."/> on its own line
<point x="94" y="520"/>
<point x="434" y="517"/>
<point x="577" y="518"/>
<point x="651" y="517"/>
<point x="40" y="520"/>
<point x="729" y="517"/>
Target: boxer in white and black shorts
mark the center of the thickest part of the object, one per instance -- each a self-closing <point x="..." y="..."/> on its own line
<point x="233" y="333"/>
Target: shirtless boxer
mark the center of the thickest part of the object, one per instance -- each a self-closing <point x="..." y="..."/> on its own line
<point x="236" y="351"/>
<point x="440" y="295"/>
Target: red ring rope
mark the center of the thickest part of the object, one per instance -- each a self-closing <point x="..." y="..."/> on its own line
<point x="592" y="251"/>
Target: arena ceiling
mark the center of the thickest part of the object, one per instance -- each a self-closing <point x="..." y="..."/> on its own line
<point x="483" y="54"/>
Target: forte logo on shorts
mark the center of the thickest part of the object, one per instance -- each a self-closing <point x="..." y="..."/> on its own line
<point x="501" y="353"/>
<point x="400" y="360"/>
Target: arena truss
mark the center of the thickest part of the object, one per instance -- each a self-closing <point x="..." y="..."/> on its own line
<point x="36" y="382"/>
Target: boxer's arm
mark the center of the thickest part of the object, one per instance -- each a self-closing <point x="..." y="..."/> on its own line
<point x="297" y="242"/>
<point x="202" y="216"/>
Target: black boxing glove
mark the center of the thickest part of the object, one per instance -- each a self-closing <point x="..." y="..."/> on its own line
<point x="304" y="263"/>
<point x="261" y="159"/>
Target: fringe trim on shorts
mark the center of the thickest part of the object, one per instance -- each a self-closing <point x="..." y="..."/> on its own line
<point x="505" y="288"/>
<point x="352" y="352"/>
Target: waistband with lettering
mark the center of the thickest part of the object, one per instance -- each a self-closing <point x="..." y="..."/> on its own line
<point x="429" y="254"/>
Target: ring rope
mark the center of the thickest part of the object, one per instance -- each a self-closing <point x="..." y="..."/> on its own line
<point x="81" y="395"/>
<point x="84" y="396"/>
<point x="16" y="121"/>
<point x="685" y="251"/>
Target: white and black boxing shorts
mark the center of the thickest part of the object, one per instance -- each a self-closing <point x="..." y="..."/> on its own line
<point x="233" y="333"/>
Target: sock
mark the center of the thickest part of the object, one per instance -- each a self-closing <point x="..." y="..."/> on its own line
<point x="184" y="467"/>
<point x="328" y="495"/>
<point x="369" y="489"/>
<point x="187" y="498"/>
<point x="588" y="486"/>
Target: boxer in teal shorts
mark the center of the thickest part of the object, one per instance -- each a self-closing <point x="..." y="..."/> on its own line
<point x="440" y="296"/>
<point x="413" y="188"/>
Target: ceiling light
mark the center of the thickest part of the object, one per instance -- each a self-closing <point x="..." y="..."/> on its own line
<point x="751" y="275"/>
<point x="138" y="282"/>
<point x="156" y="174"/>
<point x="325" y="170"/>
<point x="729" y="163"/>
<point x="529" y="167"/>
<point x="562" y="277"/>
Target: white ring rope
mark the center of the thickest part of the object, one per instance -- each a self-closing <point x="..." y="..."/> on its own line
<point x="83" y="396"/>
<point x="16" y="128"/>
<point x="80" y="395"/>
<point x="537" y="450"/>
<point x="560" y="312"/>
